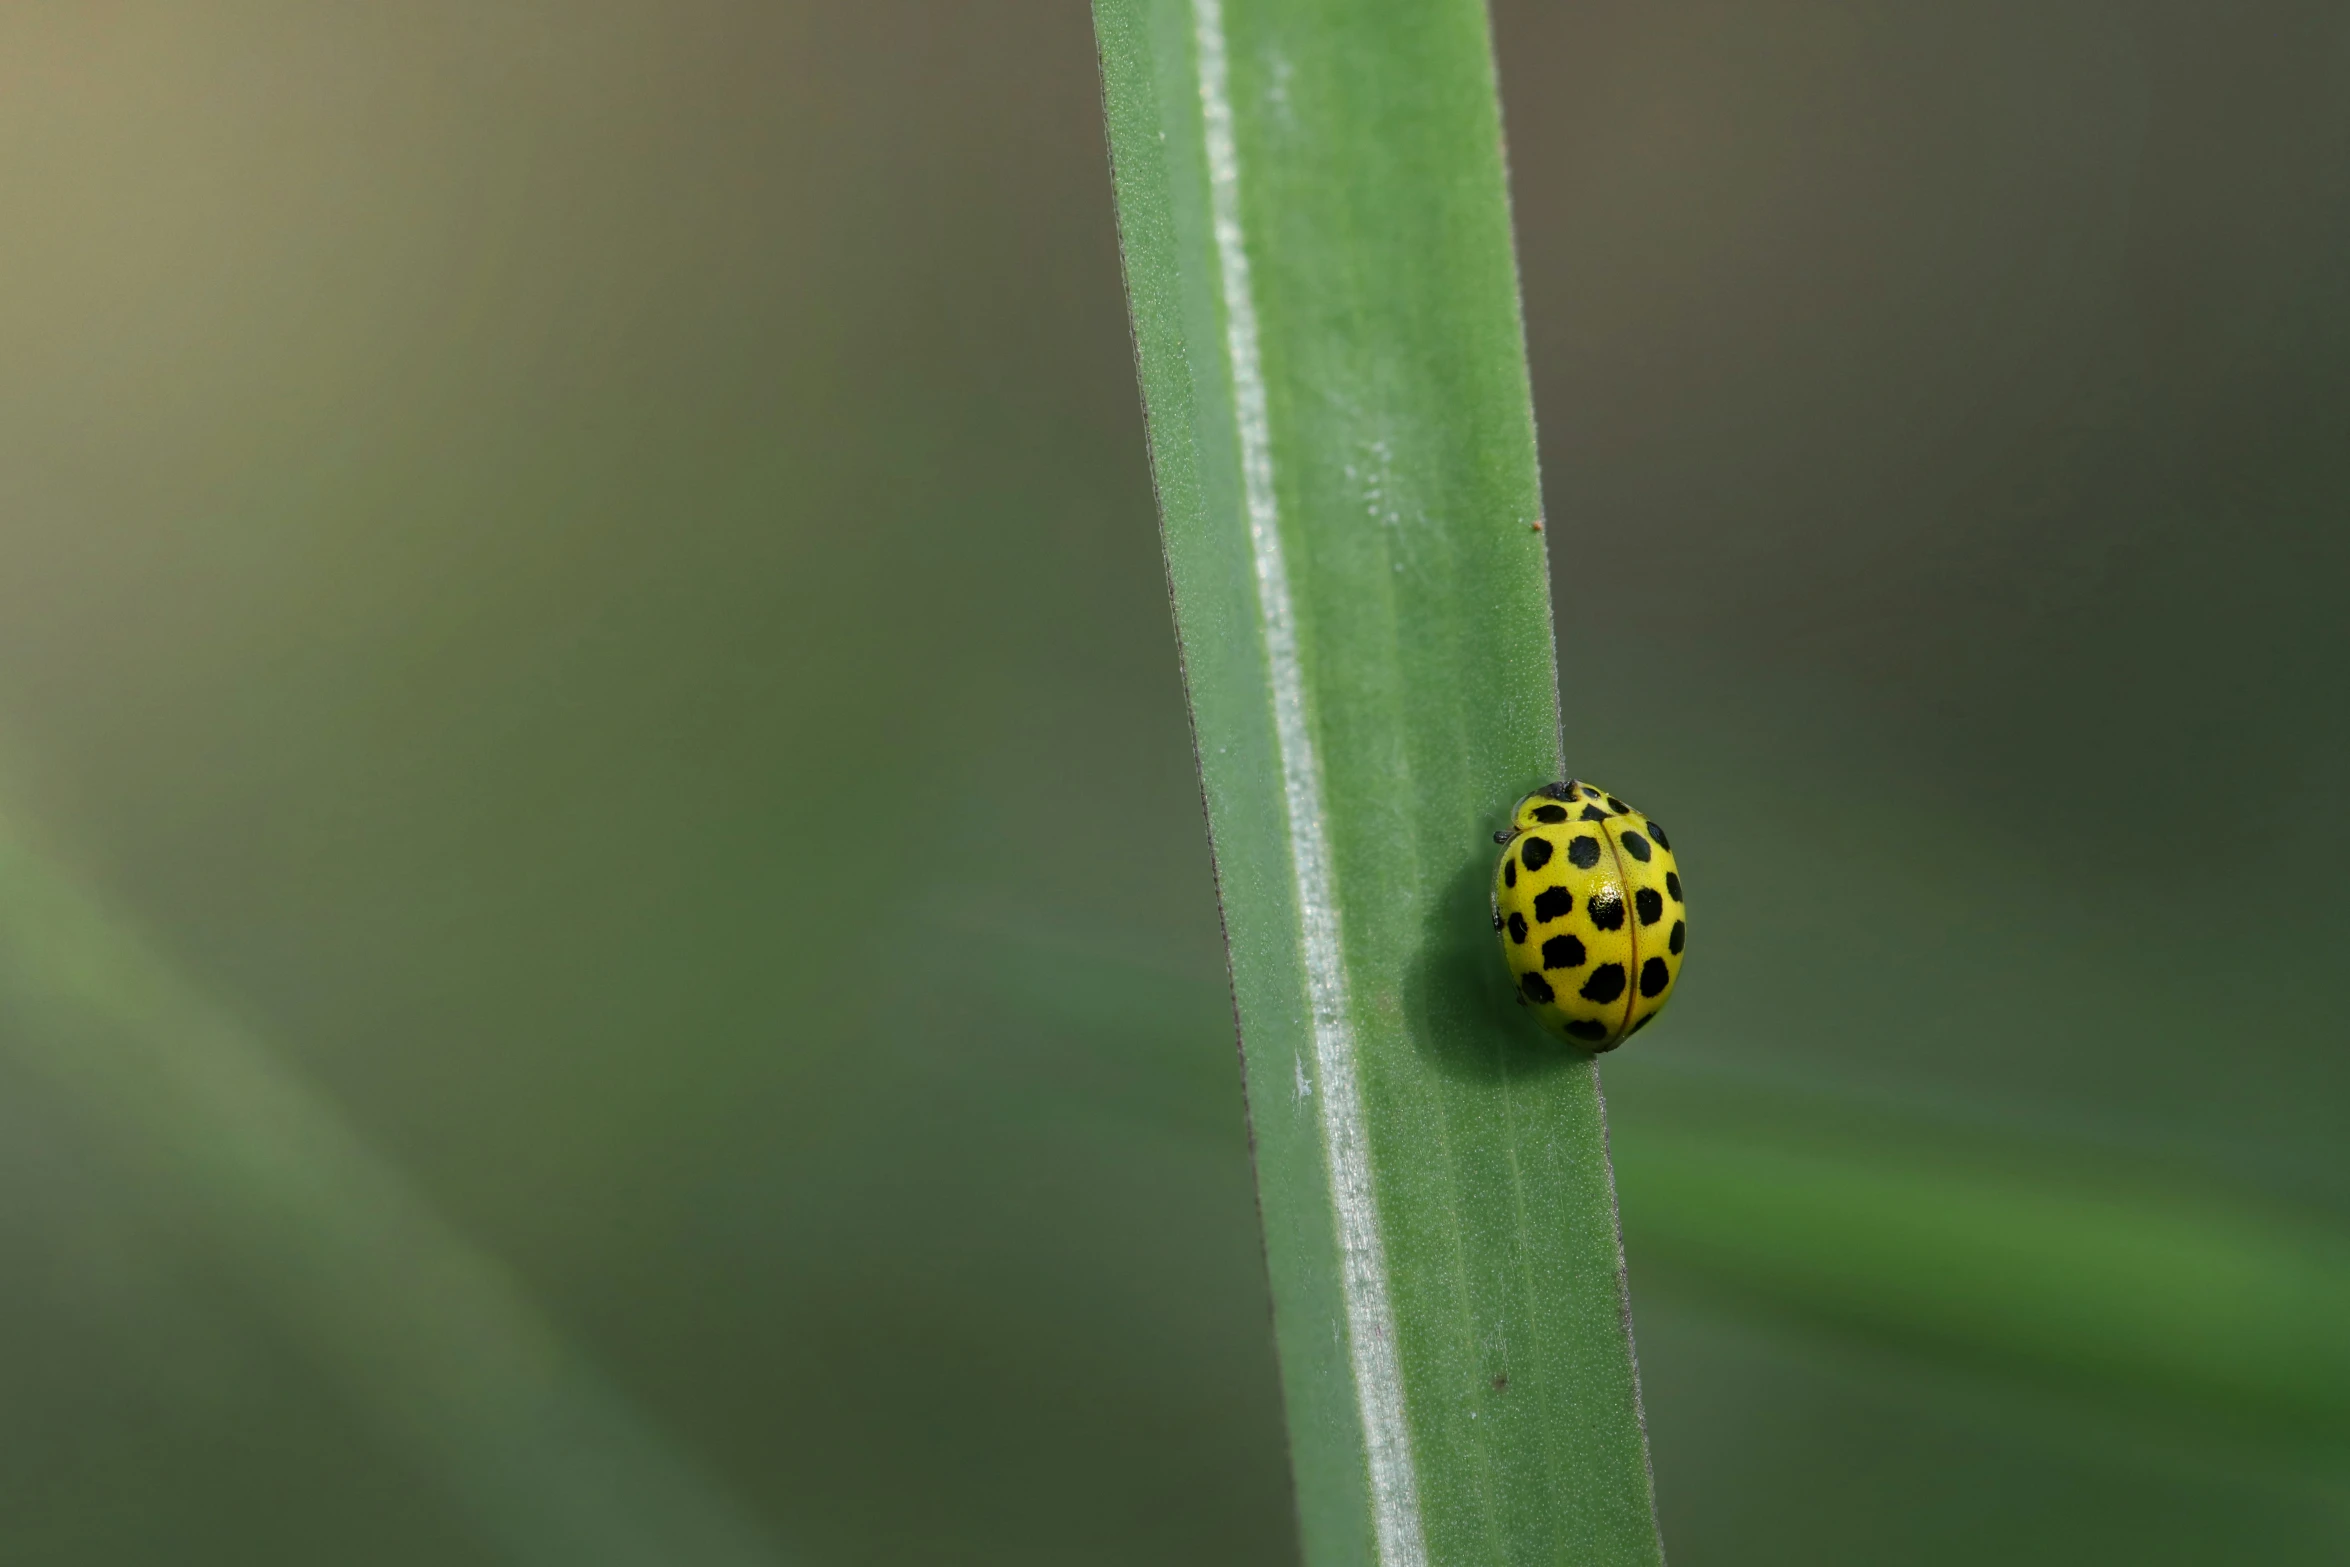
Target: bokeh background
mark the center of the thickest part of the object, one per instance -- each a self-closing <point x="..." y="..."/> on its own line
<point x="608" y="947"/>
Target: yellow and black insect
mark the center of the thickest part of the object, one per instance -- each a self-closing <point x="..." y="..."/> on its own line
<point x="1588" y="902"/>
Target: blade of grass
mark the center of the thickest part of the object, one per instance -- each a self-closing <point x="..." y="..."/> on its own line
<point x="2220" y="1313"/>
<point x="198" y="1124"/>
<point x="1315" y="224"/>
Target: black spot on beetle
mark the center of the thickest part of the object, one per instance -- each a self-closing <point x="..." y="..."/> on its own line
<point x="1518" y="929"/>
<point x="1583" y="852"/>
<point x="1592" y="1032"/>
<point x="1680" y="933"/>
<point x="1620" y="807"/>
<point x="1605" y="984"/>
<point x="1559" y="791"/>
<point x="1649" y="905"/>
<point x="1509" y="873"/>
<point x="1636" y="846"/>
<point x="1658" y="833"/>
<point x="1562" y="952"/>
<point x="1536" y="853"/>
<point x="1654" y="977"/>
<point x="1592" y="813"/>
<point x="1672" y="879"/>
<point x="1536" y="987"/>
<point x="1553" y="903"/>
<point x="1606" y="908"/>
<point x="1550" y="813"/>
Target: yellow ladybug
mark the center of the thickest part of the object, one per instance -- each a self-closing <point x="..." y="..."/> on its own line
<point x="1587" y="899"/>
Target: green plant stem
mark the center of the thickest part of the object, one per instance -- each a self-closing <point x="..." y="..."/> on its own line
<point x="1315" y="224"/>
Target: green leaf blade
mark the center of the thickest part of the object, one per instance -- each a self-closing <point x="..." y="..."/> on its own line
<point x="1315" y="223"/>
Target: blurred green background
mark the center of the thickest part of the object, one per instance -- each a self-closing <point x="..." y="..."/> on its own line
<point x="608" y="947"/>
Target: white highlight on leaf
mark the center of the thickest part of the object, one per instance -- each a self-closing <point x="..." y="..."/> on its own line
<point x="1370" y="1316"/>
